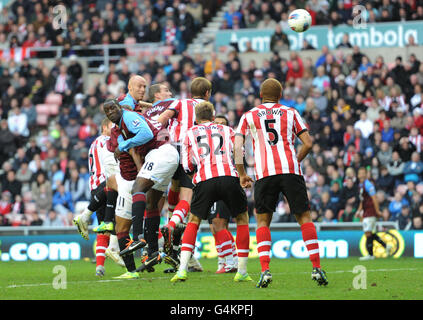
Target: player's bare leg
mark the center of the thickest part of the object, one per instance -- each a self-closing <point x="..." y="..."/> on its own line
<point x="264" y="243"/>
<point x="310" y="239"/>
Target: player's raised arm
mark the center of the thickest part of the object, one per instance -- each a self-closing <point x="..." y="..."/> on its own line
<point x="165" y="117"/>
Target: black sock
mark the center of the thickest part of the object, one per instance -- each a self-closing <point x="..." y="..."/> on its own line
<point x="111" y="196"/>
<point x="123" y="238"/>
<point x="378" y="239"/>
<point x="177" y="236"/>
<point x="138" y="208"/>
<point x="369" y="245"/>
<point x="152" y="233"/>
<point x="97" y="200"/>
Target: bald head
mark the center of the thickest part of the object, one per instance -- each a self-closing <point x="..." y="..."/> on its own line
<point x="136" y="87"/>
<point x="271" y="90"/>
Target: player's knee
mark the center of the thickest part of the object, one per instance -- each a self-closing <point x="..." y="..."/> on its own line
<point x="242" y="218"/>
<point x="185" y="194"/>
<point x="219" y="224"/>
<point x="303" y="217"/>
<point x="194" y="219"/>
<point x="263" y="219"/>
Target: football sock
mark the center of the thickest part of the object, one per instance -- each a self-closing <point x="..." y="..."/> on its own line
<point x="113" y="243"/>
<point x="172" y="200"/>
<point x="100" y="249"/>
<point x="188" y="244"/>
<point x="123" y="239"/>
<point x="220" y="259"/>
<point x="179" y="214"/>
<point x="264" y="242"/>
<point x="378" y="239"/>
<point x="309" y="233"/>
<point x="151" y="230"/>
<point x="86" y="214"/>
<point x="225" y="246"/>
<point x="369" y="245"/>
<point x="234" y="253"/>
<point x="138" y="208"/>
<point x="243" y="245"/>
<point x="111" y="198"/>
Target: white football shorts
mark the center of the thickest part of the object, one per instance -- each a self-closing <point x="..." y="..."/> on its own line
<point x="159" y="166"/>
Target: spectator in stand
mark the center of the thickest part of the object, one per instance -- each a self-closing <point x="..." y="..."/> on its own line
<point x="62" y="201"/>
<point x="18" y="126"/>
<point x="53" y="220"/>
<point x="5" y="203"/>
<point x="75" y="185"/>
<point x="396" y="205"/>
<point x="413" y="169"/>
<point x="11" y="184"/>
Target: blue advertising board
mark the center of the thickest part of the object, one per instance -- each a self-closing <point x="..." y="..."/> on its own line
<point x="393" y="34"/>
<point x="285" y="244"/>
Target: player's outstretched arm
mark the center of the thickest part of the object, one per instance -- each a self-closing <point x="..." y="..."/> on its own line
<point x="165" y="117"/>
<point x="306" y="147"/>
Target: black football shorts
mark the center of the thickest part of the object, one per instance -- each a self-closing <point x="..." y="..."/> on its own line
<point x="292" y="186"/>
<point x="226" y="188"/>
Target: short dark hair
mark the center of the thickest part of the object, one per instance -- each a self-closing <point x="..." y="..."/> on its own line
<point x="222" y="116"/>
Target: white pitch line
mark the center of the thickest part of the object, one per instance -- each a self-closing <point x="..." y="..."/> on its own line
<point x="211" y="275"/>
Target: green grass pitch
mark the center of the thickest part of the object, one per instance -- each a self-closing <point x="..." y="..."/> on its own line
<point x="385" y="279"/>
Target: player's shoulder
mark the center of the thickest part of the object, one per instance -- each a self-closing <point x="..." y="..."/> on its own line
<point x="370" y="187"/>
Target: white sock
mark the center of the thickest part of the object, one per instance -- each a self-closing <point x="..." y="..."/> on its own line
<point x="86" y="214"/>
<point x="220" y="262"/>
<point x="242" y="265"/>
<point x="113" y="243"/>
<point x="229" y="260"/>
<point x="185" y="257"/>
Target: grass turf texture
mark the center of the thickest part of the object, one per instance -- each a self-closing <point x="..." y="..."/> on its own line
<point x="386" y="279"/>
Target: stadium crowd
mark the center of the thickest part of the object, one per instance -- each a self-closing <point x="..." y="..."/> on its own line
<point x="30" y="23"/>
<point x="360" y="112"/>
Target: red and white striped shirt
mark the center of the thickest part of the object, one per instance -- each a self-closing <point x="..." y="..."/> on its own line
<point x="209" y="146"/>
<point x="417" y="141"/>
<point x="273" y="128"/>
<point x="96" y="162"/>
<point x="183" y="119"/>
